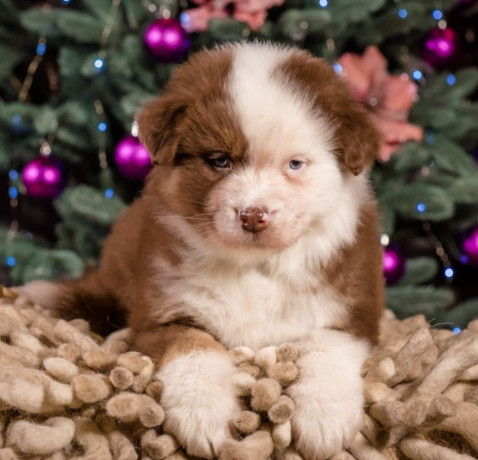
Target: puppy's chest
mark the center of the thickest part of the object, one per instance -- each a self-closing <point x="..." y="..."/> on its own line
<point x="255" y="308"/>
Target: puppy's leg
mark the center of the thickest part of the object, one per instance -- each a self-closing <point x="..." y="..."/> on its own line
<point x="198" y="396"/>
<point x="328" y="395"/>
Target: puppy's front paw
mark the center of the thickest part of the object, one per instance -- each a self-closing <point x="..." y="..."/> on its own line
<point x="199" y="401"/>
<point x="322" y="425"/>
<point x="329" y="394"/>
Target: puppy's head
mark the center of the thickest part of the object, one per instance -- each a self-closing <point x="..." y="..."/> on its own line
<point x="253" y="144"/>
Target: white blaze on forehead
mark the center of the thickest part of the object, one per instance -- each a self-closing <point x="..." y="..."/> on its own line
<point x="277" y="118"/>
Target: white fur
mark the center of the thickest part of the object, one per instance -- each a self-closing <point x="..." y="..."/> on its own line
<point x="328" y="397"/>
<point x="199" y="401"/>
<point x="44" y="293"/>
<point x="263" y="289"/>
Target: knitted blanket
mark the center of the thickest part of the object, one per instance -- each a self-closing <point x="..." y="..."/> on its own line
<point x="68" y="393"/>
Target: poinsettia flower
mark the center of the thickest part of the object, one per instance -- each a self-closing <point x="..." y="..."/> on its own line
<point x="252" y="12"/>
<point x="389" y="98"/>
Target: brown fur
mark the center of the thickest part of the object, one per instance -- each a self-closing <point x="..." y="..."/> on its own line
<point x="190" y="120"/>
<point x="357" y="271"/>
<point x="357" y="141"/>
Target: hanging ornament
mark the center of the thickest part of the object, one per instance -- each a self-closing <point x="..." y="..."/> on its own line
<point x="43" y="177"/>
<point x="393" y="263"/>
<point x="132" y="159"/>
<point x="440" y="46"/>
<point x="166" y="39"/>
<point x="470" y="247"/>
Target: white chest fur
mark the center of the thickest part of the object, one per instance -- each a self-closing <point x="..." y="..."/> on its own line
<point x="252" y="306"/>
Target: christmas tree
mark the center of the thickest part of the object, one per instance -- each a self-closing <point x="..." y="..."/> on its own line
<point x="73" y="74"/>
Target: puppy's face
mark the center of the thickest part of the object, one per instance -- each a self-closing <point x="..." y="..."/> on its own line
<point x="253" y="144"/>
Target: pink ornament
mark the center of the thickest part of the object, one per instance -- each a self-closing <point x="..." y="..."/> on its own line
<point x="470" y="247"/>
<point x="440" y="46"/>
<point x="393" y="264"/>
<point x="132" y="158"/>
<point x="166" y="39"/>
<point x="43" y="177"/>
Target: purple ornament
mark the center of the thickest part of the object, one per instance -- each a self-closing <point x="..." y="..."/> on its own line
<point x="470" y="247"/>
<point x="393" y="264"/>
<point x="43" y="177"/>
<point x="132" y="158"/>
<point x="440" y="46"/>
<point x="166" y="39"/>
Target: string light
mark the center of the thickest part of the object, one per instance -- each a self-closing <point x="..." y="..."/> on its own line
<point x="338" y="68"/>
<point x="437" y="14"/>
<point x="10" y="261"/>
<point x="32" y="68"/>
<point x="421" y="208"/>
<point x="13" y="176"/>
<point x="456" y="330"/>
<point x="448" y="271"/>
<point x="102" y="127"/>
<point x="417" y="74"/>
<point x="450" y="79"/>
<point x="402" y="13"/>
<point x="109" y="193"/>
<point x="323" y="3"/>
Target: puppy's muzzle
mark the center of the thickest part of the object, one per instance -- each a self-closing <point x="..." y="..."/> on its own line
<point x="254" y="220"/>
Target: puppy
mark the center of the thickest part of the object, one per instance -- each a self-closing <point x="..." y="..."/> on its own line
<point x="257" y="226"/>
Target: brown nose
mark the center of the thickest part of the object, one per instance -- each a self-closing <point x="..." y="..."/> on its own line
<point x="254" y="220"/>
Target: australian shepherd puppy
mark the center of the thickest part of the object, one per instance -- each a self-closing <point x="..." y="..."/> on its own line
<point x="257" y="226"/>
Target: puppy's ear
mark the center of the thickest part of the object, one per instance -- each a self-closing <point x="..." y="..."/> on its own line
<point x="157" y="124"/>
<point x="357" y="139"/>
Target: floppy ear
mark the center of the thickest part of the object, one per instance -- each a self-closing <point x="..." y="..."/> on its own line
<point x="357" y="139"/>
<point x="157" y="124"/>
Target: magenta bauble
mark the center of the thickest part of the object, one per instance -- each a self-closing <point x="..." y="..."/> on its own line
<point x="470" y="247"/>
<point x="167" y="40"/>
<point x="393" y="264"/>
<point x="43" y="177"/>
<point x="440" y="46"/>
<point x="132" y="159"/>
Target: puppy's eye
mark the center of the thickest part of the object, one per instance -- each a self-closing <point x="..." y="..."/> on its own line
<point x="219" y="160"/>
<point x="296" y="164"/>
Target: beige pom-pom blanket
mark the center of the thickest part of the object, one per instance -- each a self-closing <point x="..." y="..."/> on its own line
<point x="68" y="393"/>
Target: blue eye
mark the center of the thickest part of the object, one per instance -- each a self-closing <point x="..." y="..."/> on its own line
<point x="296" y="164"/>
<point x="219" y="160"/>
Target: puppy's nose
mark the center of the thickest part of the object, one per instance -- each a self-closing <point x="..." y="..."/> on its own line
<point x="254" y="220"/>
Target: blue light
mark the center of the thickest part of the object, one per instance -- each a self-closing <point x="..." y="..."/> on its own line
<point x="417" y="74"/>
<point x="450" y="79"/>
<point x="66" y="2"/>
<point x="13" y="192"/>
<point x="338" y="68"/>
<point x="456" y="330"/>
<point x="13" y="174"/>
<point x="10" y="261"/>
<point x="41" y="49"/>
<point x="102" y="126"/>
<point x="430" y="139"/>
<point x="109" y="193"/>
<point x="421" y="208"/>
<point x="16" y="119"/>
<point x="99" y="63"/>
<point x="437" y="14"/>
<point x="185" y="20"/>
<point x="449" y="272"/>
<point x="323" y="3"/>
<point x="464" y="259"/>
<point x="402" y="13"/>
